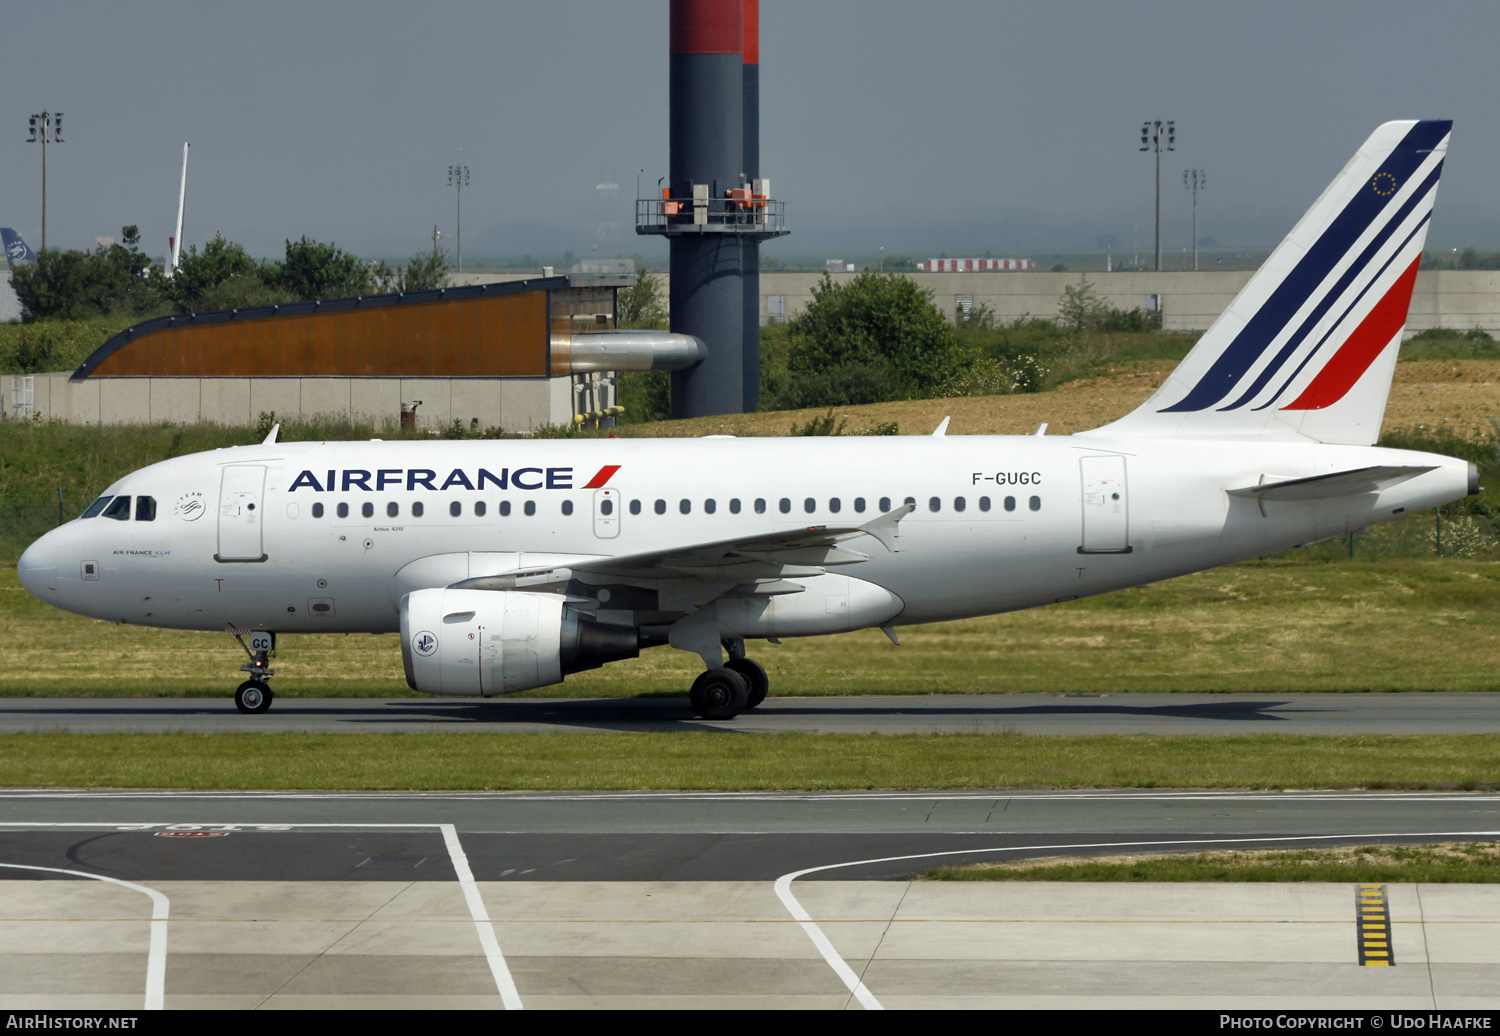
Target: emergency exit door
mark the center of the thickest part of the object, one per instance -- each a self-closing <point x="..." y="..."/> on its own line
<point x="241" y="514"/>
<point x="606" y="513"/>
<point x="1106" y="510"/>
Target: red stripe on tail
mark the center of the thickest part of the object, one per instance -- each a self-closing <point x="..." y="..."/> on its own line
<point x="605" y="474"/>
<point x="1373" y="334"/>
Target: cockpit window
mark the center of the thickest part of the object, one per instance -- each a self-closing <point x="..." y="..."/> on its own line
<point x="119" y="510"/>
<point x="145" y="508"/>
<point x="97" y="506"/>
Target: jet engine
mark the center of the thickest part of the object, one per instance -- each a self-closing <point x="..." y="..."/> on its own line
<point x="487" y="642"/>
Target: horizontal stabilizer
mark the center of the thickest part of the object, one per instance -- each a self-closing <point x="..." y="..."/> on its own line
<point x="1338" y="483"/>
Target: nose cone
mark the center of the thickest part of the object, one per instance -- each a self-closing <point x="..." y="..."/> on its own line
<point x="37" y="569"/>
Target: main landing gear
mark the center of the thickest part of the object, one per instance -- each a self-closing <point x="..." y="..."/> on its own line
<point x="255" y="694"/>
<point x="725" y="692"/>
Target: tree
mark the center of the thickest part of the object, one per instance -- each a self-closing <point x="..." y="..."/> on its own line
<point x="641" y="304"/>
<point x="224" y="276"/>
<point x="866" y="340"/>
<point x="313" y="270"/>
<point x="112" y="279"/>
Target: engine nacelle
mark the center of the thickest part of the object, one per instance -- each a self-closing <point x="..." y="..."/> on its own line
<point x="485" y="642"/>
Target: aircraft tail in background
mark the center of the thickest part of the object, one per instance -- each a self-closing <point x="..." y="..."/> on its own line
<point x="15" y="248"/>
<point x="1307" y="349"/>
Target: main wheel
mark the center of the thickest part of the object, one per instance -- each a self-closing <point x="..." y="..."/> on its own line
<point x="253" y="696"/>
<point x="755" y="673"/>
<point x="720" y="694"/>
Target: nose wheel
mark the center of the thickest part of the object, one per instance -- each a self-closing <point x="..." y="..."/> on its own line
<point x="253" y="697"/>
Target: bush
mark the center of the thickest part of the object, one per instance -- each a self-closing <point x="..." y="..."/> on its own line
<point x="867" y="340"/>
<point x="1443" y="343"/>
<point x="72" y="285"/>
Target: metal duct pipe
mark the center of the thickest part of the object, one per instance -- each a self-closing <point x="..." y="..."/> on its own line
<point x="626" y="351"/>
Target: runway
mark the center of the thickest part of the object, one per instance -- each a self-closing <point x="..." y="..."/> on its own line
<point x="734" y="900"/>
<point x="1428" y="713"/>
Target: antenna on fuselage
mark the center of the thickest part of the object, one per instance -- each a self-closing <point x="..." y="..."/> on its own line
<point x="275" y="428"/>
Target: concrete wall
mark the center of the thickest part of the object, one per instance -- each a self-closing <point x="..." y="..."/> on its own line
<point x="512" y="404"/>
<point x="1461" y="299"/>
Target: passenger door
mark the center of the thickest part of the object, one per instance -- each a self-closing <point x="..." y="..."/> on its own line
<point x="241" y="514"/>
<point x="1106" y="511"/>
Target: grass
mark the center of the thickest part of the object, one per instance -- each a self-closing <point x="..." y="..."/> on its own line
<point x="694" y="761"/>
<point x="1279" y="626"/>
<point x="1466" y="862"/>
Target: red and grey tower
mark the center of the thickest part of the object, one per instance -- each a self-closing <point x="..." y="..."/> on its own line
<point x="714" y="208"/>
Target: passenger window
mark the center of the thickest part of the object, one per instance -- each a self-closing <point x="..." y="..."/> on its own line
<point x="392" y="509"/>
<point x="119" y="510"/>
<point x="911" y="500"/>
<point x="1035" y="503"/>
<point x="418" y="508"/>
<point x="709" y="507"/>
<point x="479" y="508"/>
<point x="935" y="504"/>
<point x="661" y="507"/>
<point x="1010" y="503"/>
<point x="145" y="508"/>
<point x="567" y="507"/>
<point x="635" y="507"/>
<point x="859" y="505"/>
<point x="834" y="505"/>
<point x="455" y="509"/>
<point x="809" y="505"/>
<point x="504" y="508"/>
<point x="785" y="505"/>
<point x="959" y="504"/>
<point x="885" y="504"/>
<point x="95" y="507"/>
<point x="685" y="506"/>
<point x="343" y="510"/>
<point x="368" y="510"/>
<point x="984" y="503"/>
<point x="734" y="505"/>
<point x="529" y="508"/>
<point x="760" y="506"/>
<point x="606" y="507"/>
<point x="317" y="510"/>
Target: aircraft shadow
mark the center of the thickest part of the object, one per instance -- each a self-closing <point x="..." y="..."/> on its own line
<point x="667" y="713"/>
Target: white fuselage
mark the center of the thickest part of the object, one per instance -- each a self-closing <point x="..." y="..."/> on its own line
<point x="267" y="549"/>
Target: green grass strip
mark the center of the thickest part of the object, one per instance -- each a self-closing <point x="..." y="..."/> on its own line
<point x="1465" y="862"/>
<point x="725" y="762"/>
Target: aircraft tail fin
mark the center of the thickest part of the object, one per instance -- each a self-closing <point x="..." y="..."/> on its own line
<point x="15" y="248"/>
<point x="1308" y="347"/>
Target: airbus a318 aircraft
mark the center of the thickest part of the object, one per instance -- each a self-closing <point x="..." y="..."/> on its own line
<point x="506" y="565"/>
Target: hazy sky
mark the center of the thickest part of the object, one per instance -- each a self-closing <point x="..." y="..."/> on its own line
<point x="932" y="126"/>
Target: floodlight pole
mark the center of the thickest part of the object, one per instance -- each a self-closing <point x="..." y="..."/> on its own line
<point x="458" y="176"/>
<point x="1158" y="136"/>
<point x="1195" y="180"/>
<point x="45" y="126"/>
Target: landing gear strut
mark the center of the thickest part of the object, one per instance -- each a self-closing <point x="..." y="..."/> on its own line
<point x="255" y="694"/>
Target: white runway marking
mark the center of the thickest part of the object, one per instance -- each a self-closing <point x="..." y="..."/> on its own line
<point x="156" y="955"/>
<point x="156" y="964"/>
<point x="486" y="929"/>
<point x="857" y="987"/>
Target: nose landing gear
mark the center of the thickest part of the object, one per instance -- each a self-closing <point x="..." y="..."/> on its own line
<point x="255" y="694"/>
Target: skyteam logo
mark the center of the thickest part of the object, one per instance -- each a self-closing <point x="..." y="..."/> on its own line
<point x="1332" y="298"/>
<point x="15" y="249"/>
<point x="424" y="644"/>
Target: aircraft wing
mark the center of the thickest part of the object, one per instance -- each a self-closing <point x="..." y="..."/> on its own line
<point x="748" y="564"/>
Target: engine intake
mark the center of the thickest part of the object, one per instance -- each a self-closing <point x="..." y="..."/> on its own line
<point x="484" y="642"/>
